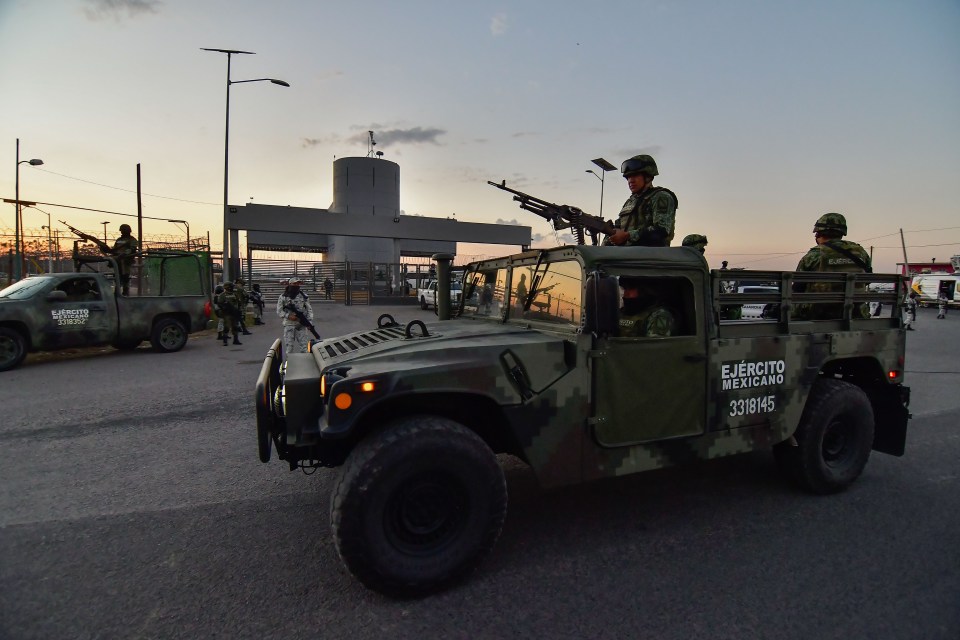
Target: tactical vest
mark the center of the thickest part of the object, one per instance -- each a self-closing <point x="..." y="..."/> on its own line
<point x="638" y="325"/>
<point x="640" y="214"/>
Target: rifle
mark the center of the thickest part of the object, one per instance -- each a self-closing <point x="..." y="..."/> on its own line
<point x="302" y="318"/>
<point x="562" y="216"/>
<point x="104" y="247"/>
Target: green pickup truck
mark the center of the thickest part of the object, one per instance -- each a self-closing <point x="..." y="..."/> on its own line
<point x="168" y="301"/>
<point x="559" y="377"/>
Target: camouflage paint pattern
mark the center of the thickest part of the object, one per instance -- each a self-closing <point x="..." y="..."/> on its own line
<point x="580" y="407"/>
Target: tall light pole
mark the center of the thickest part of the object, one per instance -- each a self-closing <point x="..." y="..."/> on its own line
<point x="105" y="223"/>
<point x="18" y="223"/>
<point x="227" y="252"/>
<point x="187" y="225"/>
<point x="604" y="166"/>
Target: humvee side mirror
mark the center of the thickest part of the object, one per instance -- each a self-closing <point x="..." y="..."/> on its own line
<point x="57" y="296"/>
<point x="602" y="302"/>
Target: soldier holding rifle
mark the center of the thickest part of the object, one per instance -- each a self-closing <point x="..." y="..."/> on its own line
<point x="124" y="249"/>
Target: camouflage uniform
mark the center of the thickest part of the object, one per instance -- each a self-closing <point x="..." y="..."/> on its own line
<point x="124" y="249"/>
<point x="695" y="241"/>
<point x="257" y="299"/>
<point x="834" y="255"/>
<point x="654" y="322"/>
<point x="296" y="337"/>
<point x="648" y="216"/>
<point x="229" y="303"/>
<point x="910" y="311"/>
<point x="244" y="298"/>
<point x="217" y="309"/>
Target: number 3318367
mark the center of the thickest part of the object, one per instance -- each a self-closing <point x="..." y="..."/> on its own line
<point x="749" y="406"/>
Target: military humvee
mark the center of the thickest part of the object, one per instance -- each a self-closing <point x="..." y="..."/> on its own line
<point x="415" y="414"/>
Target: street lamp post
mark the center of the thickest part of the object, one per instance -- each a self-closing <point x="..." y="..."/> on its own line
<point x="604" y="166"/>
<point x="187" y="225"/>
<point x="105" y="223"/>
<point x="18" y="222"/>
<point x="49" y="246"/>
<point x="227" y="250"/>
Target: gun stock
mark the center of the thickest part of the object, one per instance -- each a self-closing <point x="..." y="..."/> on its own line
<point x="561" y="216"/>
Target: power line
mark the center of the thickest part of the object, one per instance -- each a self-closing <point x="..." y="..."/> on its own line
<point x="107" y="186"/>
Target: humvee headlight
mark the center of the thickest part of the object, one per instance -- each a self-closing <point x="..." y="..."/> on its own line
<point x="367" y="387"/>
<point x="327" y="381"/>
<point x="343" y="401"/>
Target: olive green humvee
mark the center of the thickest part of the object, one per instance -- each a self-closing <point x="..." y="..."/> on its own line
<point x="544" y="361"/>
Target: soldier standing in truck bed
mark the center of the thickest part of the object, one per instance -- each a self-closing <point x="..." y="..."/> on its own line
<point x="124" y="249"/>
<point x="833" y="254"/>
<point x="647" y="217"/>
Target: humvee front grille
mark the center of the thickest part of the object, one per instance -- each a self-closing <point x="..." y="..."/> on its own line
<point x="359" y="341"/>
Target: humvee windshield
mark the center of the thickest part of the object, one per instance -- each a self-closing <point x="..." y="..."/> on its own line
<point x="551" y="293"/>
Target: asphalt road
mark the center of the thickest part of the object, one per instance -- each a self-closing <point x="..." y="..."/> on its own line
<point x="132" y="505"/>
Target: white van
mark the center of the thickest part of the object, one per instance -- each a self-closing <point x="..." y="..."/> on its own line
<point x="929" y="286"/>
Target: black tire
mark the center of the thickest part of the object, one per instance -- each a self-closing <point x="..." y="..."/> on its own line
<point x="423" y="303"/>
<point x="417" y="505"/>
<point x="168" y="335"/>
<point x="834" y="438"/>
<point x="13" y="348"/>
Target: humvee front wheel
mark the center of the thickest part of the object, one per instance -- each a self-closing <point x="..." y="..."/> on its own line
<point x="13" y="348"/>
<point x="417" y="505"/>
<point x="833" y="440"/>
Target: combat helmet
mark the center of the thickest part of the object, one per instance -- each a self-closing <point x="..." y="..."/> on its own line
<point x="125" y="228"/>
<point x="696" y="241"/>
<point x="228" y="286"/>
<point x="639" y="164"/>
<point x="831" y="224"/>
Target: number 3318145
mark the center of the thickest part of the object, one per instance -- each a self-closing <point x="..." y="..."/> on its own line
<point x="748" y="406"/>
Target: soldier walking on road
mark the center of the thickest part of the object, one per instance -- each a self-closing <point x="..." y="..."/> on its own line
<point x="292" y="301"/>
<point x="243" y="298"/>
<point x="648" y="216"/>
<point x="229" y="302"/>
<point x="257" y="299"/>
<point x="910" y="311"/>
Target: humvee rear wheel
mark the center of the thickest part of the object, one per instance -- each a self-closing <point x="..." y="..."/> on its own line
<point x="834" y="438"/>
<point x="417" y="505"/>
<point x="13" y="348"/>
<point x="168" y="335"/>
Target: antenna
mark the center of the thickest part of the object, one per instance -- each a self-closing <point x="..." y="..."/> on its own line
<point x="371" y="143"/>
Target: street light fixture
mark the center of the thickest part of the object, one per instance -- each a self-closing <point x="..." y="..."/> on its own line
<point x="227" y="253"/>
<point x="187" y="225"/>
<point x="605" y="166"/>
<point x="18" y="222"/>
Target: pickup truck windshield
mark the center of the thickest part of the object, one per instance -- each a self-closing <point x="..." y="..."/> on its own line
<point x="25" y="288"/>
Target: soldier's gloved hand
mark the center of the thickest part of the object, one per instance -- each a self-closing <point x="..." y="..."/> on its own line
<point x="619" y="237"/>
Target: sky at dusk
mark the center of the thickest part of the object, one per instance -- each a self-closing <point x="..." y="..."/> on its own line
<point x="761" y="115"/>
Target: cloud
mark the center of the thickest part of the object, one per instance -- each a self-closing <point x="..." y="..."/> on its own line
<point x="390" y="137"/>
<point x="306" y="143"/>
<point x="498" y="25"/>
<point x="120" y="9"/>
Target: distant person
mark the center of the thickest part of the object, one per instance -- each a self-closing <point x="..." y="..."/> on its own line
<point x="696" y="241"/>
<point x="229" y="303"/>
<point x="328" y="289"/>
<point x="644" y="314"/>
<point x="832" y="254"/>
<point x="244" y="299"/>
<point x="647" y="217"/>
<point x="910" y="311"/>
<point x="124" y="249"/>
<point x="520" y="297"/>
<point x="941" y="305"/>
<point x="291" y="306"/>
<point x="217" y="309"/>
<point x="257" y="299"/>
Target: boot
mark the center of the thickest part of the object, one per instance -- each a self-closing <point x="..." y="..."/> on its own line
<point x="236" y="340"/>
<point x="244" y="331"/>
<point x="224" y="340"/>
<point x="220" y="336"/>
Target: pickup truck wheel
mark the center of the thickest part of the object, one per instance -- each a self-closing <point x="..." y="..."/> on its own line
<point x="423" y="303"/>
<point x="418" y="505"/>
<point x="168" y="335"/>
<point x="834" y="438"/>
<point x="13" y="348"/>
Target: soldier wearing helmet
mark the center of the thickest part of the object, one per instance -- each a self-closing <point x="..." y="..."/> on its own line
<point x="229" y="304"/>
<point x="244" y="299"/>
<point x="832" y="254"/>
<point x="645" y="312"/>
<point x="124" y="250"/>
<point x="647" y="217"/>
<point x="695" y="241"/>
<point x="295" y="334"/>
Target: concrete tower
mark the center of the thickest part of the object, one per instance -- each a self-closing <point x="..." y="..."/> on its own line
<point x="365" y="187"/>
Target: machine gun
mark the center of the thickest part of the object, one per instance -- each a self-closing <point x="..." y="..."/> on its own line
<point x="104" y="247"/>
<point x="302" y="318"/>
<point x="562" y="216"/>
